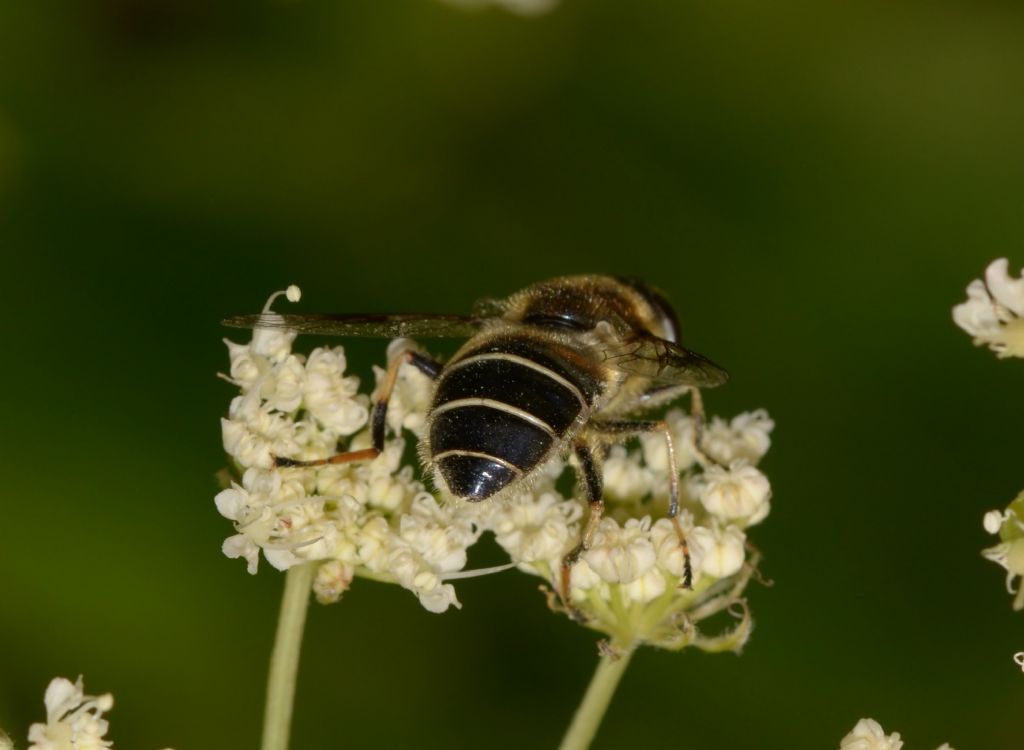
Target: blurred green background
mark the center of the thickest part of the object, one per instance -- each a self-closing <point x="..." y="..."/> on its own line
<point x="813" y="184"/>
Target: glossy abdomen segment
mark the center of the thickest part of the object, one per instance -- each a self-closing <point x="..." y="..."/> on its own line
<point x="515" y="384"/>
<point x="499" y="410"/>
<point x="481" y="449"/>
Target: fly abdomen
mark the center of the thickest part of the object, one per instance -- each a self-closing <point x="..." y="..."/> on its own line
<point x="496" y="416"/>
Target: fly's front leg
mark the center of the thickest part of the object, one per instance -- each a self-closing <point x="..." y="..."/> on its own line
<point x="590" y="477"/>
<point x="666" y="394"/>
<point x="626" y="429"/>
<point x="379" y="417"/>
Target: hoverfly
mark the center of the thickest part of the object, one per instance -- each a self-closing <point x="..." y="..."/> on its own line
<point x="554" y="370"/>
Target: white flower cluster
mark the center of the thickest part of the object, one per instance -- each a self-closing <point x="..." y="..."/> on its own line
<point x="869" y="735"/>
<point x="629" y="583"/>
<point x="994" y="311"/>
<point x="374" y="519"/>
<point x="1009" y="526"/>
<point x="371" y="519"/>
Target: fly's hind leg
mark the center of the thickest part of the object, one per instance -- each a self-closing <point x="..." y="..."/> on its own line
<point x="697" y="415"/>
<point x="379" y="417"/>
<point x="624" y="429"/>
<point x="590" y="477"/>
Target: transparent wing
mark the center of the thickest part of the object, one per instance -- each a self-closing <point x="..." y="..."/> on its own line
<point x="413" y="325"/>
<point x="664" y="362"/>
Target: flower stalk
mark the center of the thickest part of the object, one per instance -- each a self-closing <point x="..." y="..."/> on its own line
<point x="595" y="703"/>
<point x="284" y="659"/>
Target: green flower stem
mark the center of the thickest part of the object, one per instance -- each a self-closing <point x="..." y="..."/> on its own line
<point x="595" y="701"/>
<point x="284" y="659"/>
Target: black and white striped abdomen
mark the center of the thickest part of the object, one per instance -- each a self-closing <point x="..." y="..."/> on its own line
<point x="499" y="410"/>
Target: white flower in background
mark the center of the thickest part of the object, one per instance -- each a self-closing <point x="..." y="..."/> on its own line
<point x="1009" y="526"/>
<point x="869" y="735"/>
<point x="74" y="720"/>
<point x="994" y="311"/>
<point x="519" y="7"/>
<point x="5" y="741"/>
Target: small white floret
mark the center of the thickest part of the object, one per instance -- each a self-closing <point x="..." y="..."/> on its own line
<point x="329" y="395"/>
<point x="625" y="478"/>
<point x="655" y="450"/>
<point x="722" y="550"/>
<point x="621" y="554"/>
<point x="994" y="520"/>
<point x="869" y="735"/>
<point x="1006" y="291"/>
<point x="739" y="492"/>
<point x="73" y="719"/>
<point x="747" y="437"/>
<point x="646" y="588"/>
<point x="532" y="528"/>
<point x="242" y="546"/>
<point x="994" y="311"/>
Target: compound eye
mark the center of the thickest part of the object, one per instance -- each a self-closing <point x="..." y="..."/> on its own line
<point x="662" y="307"/>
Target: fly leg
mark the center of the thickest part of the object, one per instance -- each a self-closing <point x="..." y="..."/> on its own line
<point x="589" y="472"/>
<point x="378" y="419"/>
<point x="624" y="429"/>
<point x="697" y="415"/>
